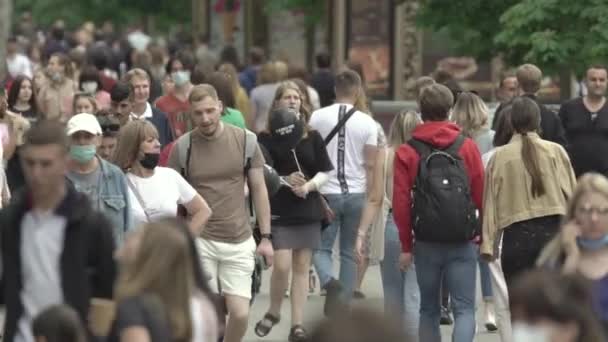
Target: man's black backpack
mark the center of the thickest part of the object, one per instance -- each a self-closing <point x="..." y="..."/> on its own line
<point x="442" y="206"/>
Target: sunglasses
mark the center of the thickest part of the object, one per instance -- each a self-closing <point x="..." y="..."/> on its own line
<point x="110" y="128"/>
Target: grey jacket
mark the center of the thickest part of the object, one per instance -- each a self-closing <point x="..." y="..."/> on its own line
<point x="484" y="140"/>
<point x="113" y="200"/>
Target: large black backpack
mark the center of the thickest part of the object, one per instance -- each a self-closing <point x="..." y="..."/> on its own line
<point x="442" y="206"/>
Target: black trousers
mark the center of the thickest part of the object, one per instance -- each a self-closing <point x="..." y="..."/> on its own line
<point x="522" y="243"/>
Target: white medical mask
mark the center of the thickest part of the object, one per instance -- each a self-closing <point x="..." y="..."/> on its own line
<point x="89" y="87"/>
<point x="524" y="332"/>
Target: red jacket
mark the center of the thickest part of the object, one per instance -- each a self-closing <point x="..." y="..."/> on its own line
<point x="440" y="134"/>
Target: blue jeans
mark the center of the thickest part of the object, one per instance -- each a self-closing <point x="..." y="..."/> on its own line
<point x="458" y="265"/>
<point x="348" y="208"/>
<point x="486" y="281"/>
<point x="401" y="292"/>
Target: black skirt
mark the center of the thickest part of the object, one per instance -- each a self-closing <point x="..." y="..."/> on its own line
<point x="523" y="241"/>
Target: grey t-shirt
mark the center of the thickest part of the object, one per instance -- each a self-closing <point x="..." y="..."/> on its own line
<point x="87" y="184"/>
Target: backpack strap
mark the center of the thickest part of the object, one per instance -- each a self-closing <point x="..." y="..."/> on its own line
<point x="455" y="146"/>
<point x="251" y="144"/>
<point x="422" y="148"/>
<point x="183" y="152"/>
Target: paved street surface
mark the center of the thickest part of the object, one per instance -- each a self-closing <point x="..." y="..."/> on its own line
<point x="314" y="309"/>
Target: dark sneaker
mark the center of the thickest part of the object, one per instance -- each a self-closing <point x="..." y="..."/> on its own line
<point x="446" y="318"/>
<point x="358" y="295"/>
<point x="333" y="302"/>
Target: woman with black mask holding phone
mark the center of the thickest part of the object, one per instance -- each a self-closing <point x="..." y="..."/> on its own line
<point x="154" y="191"/>
<point x="299" y="155"/>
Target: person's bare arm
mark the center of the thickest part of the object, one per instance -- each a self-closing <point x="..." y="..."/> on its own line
<point x="135" y="334"/>
<point x="369" y="154"/>
<point x="200" y="212"/>
<point x="373" y="202"/>
<point x="259" y="194"/>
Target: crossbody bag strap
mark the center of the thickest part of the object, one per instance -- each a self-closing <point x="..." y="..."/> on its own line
<point x="138" y="197"/>
<point x="339" y="125"/>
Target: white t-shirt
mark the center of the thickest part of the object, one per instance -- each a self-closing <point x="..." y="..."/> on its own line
<point x="360" y="130"/>
<point x="19" y="65"/>
<point x="160" y="193"/>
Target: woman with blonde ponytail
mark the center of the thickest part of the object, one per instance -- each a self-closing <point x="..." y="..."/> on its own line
<point x="527" y="186"/>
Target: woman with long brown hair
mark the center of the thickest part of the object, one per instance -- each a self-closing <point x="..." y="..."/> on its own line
<point x="296" y="209"/>
<point x="160" y="293"/>
<point x="527" y="185"/>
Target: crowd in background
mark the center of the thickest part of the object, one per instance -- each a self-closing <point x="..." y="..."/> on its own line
<point x="135" y="168"/>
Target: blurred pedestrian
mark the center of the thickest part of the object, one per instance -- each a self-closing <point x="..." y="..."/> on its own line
<point x="58" y="323"/>
<point x="221" y="82"/>
<point x="55" y="96"/>
<point x="583" y="119"/>
<point x="84" y="103"/>
<point x="21" y="98"/>
<point x="581" y="247"/>
<point x="175" y="104"/>
<point x="139" y="82"/>
<point x="550" y="307"/>
<point x="241" y="100"/>
<point x="159" y="292"/>
<point x="56" y="249"/>
<point x="262" y="96"/>
<point x="471" y="114"/>
<point x="401" y="292"/>
<point x="90" y="83"/>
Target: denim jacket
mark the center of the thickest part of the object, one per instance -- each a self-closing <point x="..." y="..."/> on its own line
<point x="113" y="200"/>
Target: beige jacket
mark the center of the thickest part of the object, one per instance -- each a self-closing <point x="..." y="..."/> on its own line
<point x="507" y="198"/>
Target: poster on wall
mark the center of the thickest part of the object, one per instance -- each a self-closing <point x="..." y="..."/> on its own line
<point x="369" y="43"/>
<point x="227" y="25"/>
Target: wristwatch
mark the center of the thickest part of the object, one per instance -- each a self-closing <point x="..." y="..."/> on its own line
<point x="266" y="236"/>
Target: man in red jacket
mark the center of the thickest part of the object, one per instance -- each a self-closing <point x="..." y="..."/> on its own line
<point x="456" y="261"/>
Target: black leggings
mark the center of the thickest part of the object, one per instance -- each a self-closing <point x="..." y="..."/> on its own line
<point x="522" y="243"/>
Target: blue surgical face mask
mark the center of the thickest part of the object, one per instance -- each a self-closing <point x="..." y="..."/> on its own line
<point x="83" y="153"/>
<point x="592" y="244"/>
<point x="181" y="77"/>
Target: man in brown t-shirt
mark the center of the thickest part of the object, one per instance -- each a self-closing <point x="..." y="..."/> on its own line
<point x="216" y="169"/>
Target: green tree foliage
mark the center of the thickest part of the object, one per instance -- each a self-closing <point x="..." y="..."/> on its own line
<point x="471" y="24"/>
<point x="312" y="9"/>
<point x="121" y="12"/>
<point x="555" y="34"/>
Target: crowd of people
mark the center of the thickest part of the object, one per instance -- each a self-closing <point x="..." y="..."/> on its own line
<point x="144" y="185"/>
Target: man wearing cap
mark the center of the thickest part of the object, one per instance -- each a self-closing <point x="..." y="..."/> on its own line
<point x="102" y="182"/>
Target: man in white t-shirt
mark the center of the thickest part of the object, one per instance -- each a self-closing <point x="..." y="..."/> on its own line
<point x="17" y="63"/>
<point x="353" y="152"/>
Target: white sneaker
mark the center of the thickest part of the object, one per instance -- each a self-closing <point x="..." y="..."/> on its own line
<point x="490" y="316"/>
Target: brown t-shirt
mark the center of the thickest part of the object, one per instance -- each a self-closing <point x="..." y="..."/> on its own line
<point x="216" y="171"/>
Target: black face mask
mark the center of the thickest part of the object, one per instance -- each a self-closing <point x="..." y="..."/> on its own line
<point x="150" y="160"/>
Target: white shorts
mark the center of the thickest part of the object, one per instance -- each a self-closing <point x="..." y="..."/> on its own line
<point x="229" y="266"/>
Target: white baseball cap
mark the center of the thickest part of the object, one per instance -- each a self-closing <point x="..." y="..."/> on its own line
<point x="84" y="122"/>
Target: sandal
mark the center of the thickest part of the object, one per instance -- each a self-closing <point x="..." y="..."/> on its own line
<point x="263" y="328"/>
<point x="298" y="334"/>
